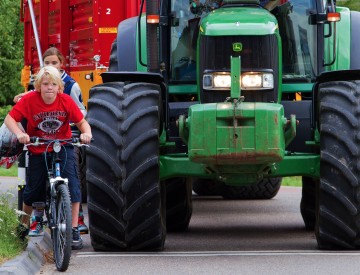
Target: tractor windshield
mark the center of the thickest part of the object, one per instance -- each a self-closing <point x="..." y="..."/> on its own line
<point x="298" y="37"/>
<point x="184" y="32"/>
<point x="299" y="43"/>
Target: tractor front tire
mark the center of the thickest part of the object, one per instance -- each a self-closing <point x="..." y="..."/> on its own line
<point x="207" y="187"/>
<point x="338" y="206"/>
<point x="308" y="202"/>
<point x="81" y="171"/>
<point x="125" y="198"/>
<point x="178" y="204"/>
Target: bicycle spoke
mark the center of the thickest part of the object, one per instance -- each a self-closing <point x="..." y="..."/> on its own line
<point x="62" y="232"/>
<point x="60" y="229"/>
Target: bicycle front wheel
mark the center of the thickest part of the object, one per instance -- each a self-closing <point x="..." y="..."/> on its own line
<point x="62" y="231"/>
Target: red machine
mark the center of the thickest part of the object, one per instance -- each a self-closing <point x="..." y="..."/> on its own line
<point x="83" y="30"/>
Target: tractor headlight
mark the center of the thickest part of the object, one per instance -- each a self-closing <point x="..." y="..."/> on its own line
<point x="256" y="81"/>
<point x="249" y="81"/>
<point x="222" y="81"/>
<point x="217" y="81"/>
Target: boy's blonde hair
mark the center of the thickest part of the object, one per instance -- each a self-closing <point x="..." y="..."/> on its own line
<point x="53" y="74"/>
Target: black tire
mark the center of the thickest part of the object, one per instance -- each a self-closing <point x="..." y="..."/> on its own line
<point x="265" y="189"/>
<point x="207" y="187"/>
<point x="125" y="199"/>
<point x="308" y="201"/>
<point x="178" y="204"/>
<point x="338" y="223"/>
<point x="123" y="55"/>
<point x="113" y="62"/>
<point x="80" y="158"/>
<point x="62" y="233"/>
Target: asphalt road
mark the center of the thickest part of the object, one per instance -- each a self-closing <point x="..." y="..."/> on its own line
<point x="224" y="237"/>
<point x="228" y="237"/>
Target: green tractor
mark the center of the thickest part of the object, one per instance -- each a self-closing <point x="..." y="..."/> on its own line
<point x="232" y="93"/>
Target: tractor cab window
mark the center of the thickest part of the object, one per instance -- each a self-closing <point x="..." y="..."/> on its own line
<point x="299" y="41"/>
<point x="184" y="33"/>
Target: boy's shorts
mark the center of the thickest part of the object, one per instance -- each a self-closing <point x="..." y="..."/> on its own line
<point x="37" y="175"/>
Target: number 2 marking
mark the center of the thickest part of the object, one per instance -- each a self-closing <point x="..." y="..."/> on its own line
<point x="108" y="11"/>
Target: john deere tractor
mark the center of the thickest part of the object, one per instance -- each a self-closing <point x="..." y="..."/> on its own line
<point x="237" y="94"/>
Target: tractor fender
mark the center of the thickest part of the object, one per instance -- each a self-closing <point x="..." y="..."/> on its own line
<point x="126" y="45"/>
<point x="355" y="40"/>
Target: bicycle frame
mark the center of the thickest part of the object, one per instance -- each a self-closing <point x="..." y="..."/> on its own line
<point x="55" y="178"/>
<point x="58" y="204"/>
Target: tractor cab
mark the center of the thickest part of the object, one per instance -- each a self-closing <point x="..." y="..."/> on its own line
<point x="263" y="36"/>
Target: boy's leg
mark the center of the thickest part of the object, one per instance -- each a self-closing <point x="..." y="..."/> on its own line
<point x="23" y="228"/>
<point x="75" y="213"/>
<point x="34" y="192"/>
<point x="36" y="226"/>
<point x="81" y="222"/>
<point x="76" y="239"/>
<point x="25" y="219"/>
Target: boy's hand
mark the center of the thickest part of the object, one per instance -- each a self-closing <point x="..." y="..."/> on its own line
<point x="23" y="138"/>
<point x="85" y="138"/>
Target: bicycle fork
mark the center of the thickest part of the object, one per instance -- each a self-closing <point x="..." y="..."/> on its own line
<point x="54" y="183"/>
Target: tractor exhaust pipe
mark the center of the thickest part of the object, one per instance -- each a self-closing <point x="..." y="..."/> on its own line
<point x="152" y="24"/>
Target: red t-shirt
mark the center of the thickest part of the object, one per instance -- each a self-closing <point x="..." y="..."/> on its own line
<point x="49" y="121"/>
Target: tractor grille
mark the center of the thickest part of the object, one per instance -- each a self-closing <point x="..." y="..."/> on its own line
<point x="258" y="53"/>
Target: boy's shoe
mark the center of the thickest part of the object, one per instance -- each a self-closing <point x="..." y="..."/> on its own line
<point x="76" y="239"/>
<point x="82" y="226"/>
<point x="36" y="227"/>
<point x="22" y="231"/>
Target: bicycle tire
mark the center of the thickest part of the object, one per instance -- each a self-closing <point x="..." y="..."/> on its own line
<point x="62" y="232"/>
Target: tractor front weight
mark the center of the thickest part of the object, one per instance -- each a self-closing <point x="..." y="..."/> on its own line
<point x="236" y="142"/>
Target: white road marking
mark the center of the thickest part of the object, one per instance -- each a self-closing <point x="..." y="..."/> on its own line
<point x="216" y="253"/>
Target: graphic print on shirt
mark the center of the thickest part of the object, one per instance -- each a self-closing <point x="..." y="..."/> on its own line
<point x="50" y="122"/>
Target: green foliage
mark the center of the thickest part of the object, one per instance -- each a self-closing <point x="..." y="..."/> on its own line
<point x="351" y="4"/>
<point x="3" y="112"/>
<point x="10" y="245"/>
<point x="11" y="50"/>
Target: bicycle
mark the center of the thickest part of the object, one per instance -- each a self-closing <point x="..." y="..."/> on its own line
<point x="58" y="203"/>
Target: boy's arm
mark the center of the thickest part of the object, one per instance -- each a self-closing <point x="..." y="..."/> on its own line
<point x="85" y="130"/>
<point x="19" y="96"/>
<point x="13" y="126"/>
<point x="76" y="96"/>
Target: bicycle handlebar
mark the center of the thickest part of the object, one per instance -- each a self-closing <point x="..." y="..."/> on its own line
<point x="36" y="141"/>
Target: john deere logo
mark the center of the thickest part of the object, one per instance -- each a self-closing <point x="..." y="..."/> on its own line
<point x="237" y="47"/>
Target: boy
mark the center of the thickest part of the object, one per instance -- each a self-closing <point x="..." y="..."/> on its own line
<point x="48" y="112"/>
<point x="53" y="57"/>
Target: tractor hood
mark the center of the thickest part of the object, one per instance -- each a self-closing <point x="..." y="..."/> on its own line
<point x="239" y="21"/>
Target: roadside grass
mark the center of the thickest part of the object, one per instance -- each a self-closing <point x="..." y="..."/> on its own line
<point x="10" y="244"/>
<point x="292" y="181"/>
<point x="11" y="172"/>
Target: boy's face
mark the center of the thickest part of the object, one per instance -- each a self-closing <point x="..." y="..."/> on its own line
<point x="49" y="89"/>
<point x="52" y="60"/>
